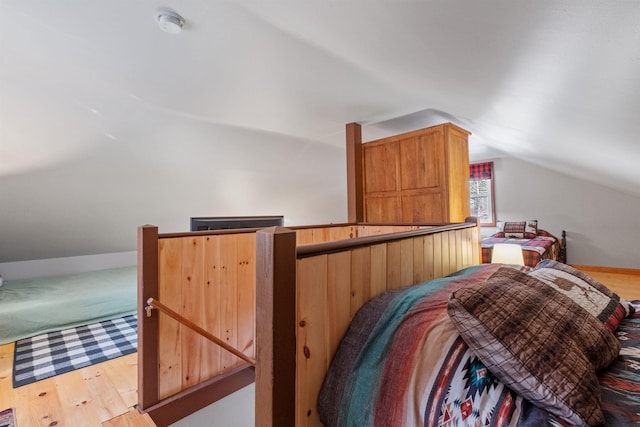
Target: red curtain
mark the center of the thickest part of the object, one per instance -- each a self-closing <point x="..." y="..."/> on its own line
<point x="479" y="171"/>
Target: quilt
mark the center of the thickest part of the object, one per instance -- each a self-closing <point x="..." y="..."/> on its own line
<point x="403" y="363"/>
<point x="534" y="250"/>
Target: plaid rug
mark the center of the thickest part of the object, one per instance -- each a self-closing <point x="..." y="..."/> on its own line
<point x="55" y="353"/>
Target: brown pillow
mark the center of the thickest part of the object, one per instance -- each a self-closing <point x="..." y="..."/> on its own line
<point x="517" y="230"/>
<point x="538" y="342"/>
<point x="592" y="295"/>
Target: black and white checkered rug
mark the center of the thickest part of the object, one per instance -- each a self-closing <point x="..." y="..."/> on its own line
<point x="55" y="353"/>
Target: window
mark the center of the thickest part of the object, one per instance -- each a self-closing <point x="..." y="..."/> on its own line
<point x="481" y="193"/>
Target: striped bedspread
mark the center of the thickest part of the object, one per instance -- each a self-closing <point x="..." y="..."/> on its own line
<point x="402" y="363"/>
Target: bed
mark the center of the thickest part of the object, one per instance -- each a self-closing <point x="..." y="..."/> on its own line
<point x="386" y="371"/>
<point x="537" y="244"/>
<point x="30" y="307"/>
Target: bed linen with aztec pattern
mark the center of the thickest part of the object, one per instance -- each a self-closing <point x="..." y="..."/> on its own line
<point x="403" y="363"/>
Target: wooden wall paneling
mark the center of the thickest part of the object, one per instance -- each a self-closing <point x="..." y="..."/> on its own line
<point x="445" y="255"/>
<point x="211" y="364"/>
<point x="379" y="264"/>
<point x="192" y="308"/>
<point x="342" y="233"/>
<point x="477" y="249"/>
<point x="419" y="259"/>
<point x="467" y="241"/>
<point x="229" y="296"/>
<point x="338" y="298"/>
<point x="429" y="257"/>
<point x="459" y="255"/>
<point x="360" y="278"/>
<point x="437" y="255"/>
<point x="304" y="236"/>
<point x="392" y="259"/>
<point x="408" y="264"/>
<point x="375" y="230"/>
<point x="170" y="335"/>
<point x="246" y="292"/>
<point x="453" y="252"/>
<point x="311" y="339"/>
<point x="321" y="235"/>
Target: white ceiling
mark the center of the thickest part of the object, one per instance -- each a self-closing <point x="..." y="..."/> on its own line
<point x="551" y="82"/>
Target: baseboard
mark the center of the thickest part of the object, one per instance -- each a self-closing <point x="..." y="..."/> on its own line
<point x="59" y="266"/>
<point x="602" y="269"/>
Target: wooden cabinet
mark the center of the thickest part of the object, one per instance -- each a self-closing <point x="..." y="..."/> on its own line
<point x="417" y="177"/>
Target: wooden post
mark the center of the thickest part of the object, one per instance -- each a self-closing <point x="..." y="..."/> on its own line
<point x="355" y="203"/>
<point x="148" y="358"/>
<point x="275" y="327"/>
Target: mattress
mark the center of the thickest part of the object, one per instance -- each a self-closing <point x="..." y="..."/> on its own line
<point x="30" y="307"/>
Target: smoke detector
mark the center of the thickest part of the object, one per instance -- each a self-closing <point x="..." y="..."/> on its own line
<point x="169" y="21"/>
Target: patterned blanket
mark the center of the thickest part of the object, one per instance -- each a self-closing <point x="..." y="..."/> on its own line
<point x="534" y="250"/>
<point x="403" y="363"/>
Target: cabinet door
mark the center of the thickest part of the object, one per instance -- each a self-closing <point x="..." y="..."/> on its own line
<point x="424" y="207"/>
<point x="380" y="163"/>
<point x="422" y="161"/>
<point x="383" y="209"/>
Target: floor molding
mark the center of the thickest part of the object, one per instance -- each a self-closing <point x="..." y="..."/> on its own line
<point x="602" y="269"/>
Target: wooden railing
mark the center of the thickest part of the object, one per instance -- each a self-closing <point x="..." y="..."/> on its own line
<point x="209" y="279"/>
<point x="152" y="303"/>
<point x="308" y="296"/>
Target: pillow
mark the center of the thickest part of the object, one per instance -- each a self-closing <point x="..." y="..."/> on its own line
<point x="593" y="296"/>
<point x="538" y="342"/>
<point x="517" y="230"/>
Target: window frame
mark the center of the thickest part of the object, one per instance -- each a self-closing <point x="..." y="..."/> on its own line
<point x="491" y="194"/>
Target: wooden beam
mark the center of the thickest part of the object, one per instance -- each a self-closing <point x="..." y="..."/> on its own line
<point x="355" y="203"/>
<point x="275" y="327"/>
<point x="188" y="401"/>
<point x="148" y="358"/>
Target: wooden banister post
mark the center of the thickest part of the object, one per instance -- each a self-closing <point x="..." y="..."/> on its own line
<point x="275" y="327"/>
<point x="148" y="358"/>
<point x="355" y="204"/>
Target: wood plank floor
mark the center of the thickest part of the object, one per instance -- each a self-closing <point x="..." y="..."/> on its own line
<point x="104" y="395"/>
<point x="624" y="282"/>
<point x="99" y="395"/>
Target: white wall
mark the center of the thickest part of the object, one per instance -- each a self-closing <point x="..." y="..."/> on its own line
<point x="235" y="410"/>
<point x="92" y="201"/>
<point x="600" y="222"/>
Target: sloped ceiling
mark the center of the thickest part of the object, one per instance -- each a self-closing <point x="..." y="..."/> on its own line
<point x="555" y="83"/>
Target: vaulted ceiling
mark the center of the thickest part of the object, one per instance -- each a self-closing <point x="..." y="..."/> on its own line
<point x="552" y="82"/>
<point x="556" y="83"/>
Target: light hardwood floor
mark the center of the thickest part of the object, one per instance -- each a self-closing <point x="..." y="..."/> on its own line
<point x="104" y="395"/>
<point x="624" y="282"/>
<point x="99" y="395"/>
